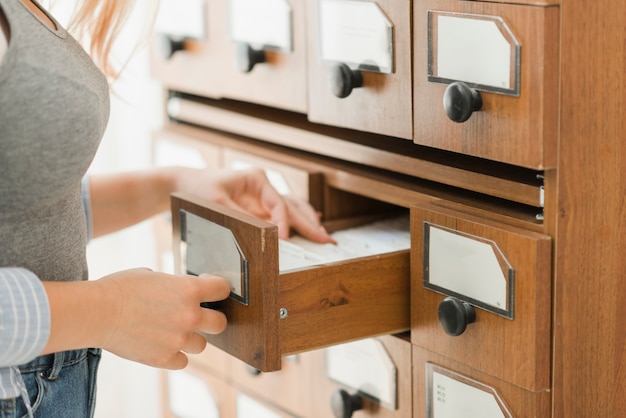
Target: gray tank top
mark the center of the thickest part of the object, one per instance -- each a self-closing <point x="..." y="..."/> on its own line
<point x="54" y="107"/>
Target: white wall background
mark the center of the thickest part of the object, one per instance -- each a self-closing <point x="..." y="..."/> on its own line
<point x="126" y="389"/>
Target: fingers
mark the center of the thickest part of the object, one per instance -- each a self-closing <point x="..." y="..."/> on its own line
<point x="177" y="362"/>
<point x="211" y="321"/>
<point x="195" y="344"/>
<point x="213" y="288"/>
<point x="305" y="220"/>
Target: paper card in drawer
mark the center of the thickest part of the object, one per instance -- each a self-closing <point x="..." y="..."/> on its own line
<point x="379" y="237"/>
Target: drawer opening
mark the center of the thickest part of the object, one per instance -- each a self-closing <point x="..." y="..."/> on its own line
<point x="301" y="308"/>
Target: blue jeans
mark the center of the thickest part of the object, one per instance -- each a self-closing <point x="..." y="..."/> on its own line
<point x="60" y="385"/>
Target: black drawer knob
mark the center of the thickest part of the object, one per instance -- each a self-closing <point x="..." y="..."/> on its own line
<point x="455" y="315"/>
<point x="343" y="404"/>
<point x="460" y="101"/>
<point x="168" y="45"/>
<point x="343" y="80"/>
<point x="248" y="57"/>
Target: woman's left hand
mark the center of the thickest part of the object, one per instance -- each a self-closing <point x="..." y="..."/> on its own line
<point x="250" y="191"/>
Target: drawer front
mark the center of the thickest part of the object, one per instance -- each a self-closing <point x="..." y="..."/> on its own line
<point x="191" y="390"/>
<point x="445" y="388"/>
<point x="264" y="57"/>
<point x="486" y="80"/>
<point x="290" y="388"/>
<point x="336" y="30"/>
<point x="481" y="295"/>
<point x="170" y="148"/>
<point x="361" y="373"/>
<point x="531" y="2"/>
<point x="186" y="50"/>
<point x="214" y="361"/>
<point x="276" y="313"/>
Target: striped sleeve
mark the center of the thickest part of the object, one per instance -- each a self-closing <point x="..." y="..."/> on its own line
<point x="24" y="316"/>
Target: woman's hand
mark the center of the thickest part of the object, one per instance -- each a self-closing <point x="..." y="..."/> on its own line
<point x="140" y="315"/>
<point x="160" y="315"/>
<point x="123" y="199"/>
<point x="249" y="191"/>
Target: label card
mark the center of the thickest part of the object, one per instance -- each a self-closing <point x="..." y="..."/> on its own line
<point x="190" y="396"/>
<point x="185" y="19"/>
<point x="364" y="366"/>
<point x="470" y="268"/>
<point x="248" y="407"/>
<point x="356" y="33"/>
<point x="207" y="247"/>
<point x="451" y="395"/>
<point x="479" y="50"/>
<point x="264" y="24"/>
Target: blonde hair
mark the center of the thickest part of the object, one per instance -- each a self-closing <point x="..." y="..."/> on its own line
<point x="98" y="22"/>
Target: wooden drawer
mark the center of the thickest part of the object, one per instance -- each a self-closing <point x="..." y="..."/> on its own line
<point x="395" y="352"/>
<point x="517" y="85"/>
<point x="445" y="388"/>
<point x="289" y="388"/>
<point x="531" y="2"/>
<point x="463" y="265"/>
<point x="249" y="406"/>
<point x="274" y="32"/>
<point x="188" y="391"/>
<point x="273" y="314"/>
<point x="214" y="361"/>
<point x="383" y="104"/>
<point x="186" y="50"/>
<point x="195" y="393"/>
<point x="170" y="148"/>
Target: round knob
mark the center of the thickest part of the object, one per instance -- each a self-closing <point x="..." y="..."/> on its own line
<point x="168" y="45"/>
<point x="460" y="101"/>
<point x="248" y="57"/>
<point x="455" y="315"/>
<point x="343" y="80"/>
<point x="343" y="404"/>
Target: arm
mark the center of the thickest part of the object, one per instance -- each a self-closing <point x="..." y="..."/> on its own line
<point x="138" y="314"/>
<point x="141" y="315"/>
<point x="121" y="200"/>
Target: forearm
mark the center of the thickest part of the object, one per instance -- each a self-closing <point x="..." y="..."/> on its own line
<point x="122" y="200"/>
<point x="83" y="315"/>
<point x="137" y="314"/>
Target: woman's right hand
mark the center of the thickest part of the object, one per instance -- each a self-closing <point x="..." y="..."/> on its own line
<point x="159" y="315"/>
<point x="141" y="315"/>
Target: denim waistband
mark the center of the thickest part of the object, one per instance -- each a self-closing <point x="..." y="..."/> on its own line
<point x="56" y="361"/>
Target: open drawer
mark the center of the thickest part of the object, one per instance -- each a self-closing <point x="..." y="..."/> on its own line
<point x="274" y="313"/>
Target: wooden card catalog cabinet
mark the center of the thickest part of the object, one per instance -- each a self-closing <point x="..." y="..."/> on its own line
<point x="485" y="80"/>
<point x="481" y="295"/>
<point x="274" y="312"/>
<point x="185" y="54"/>
<point x="360" y="65"/>
<point x="264" y="59"/>
<point x="443" y="388"/>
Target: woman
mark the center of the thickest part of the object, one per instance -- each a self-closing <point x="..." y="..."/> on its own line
<point x="54" y="106"/>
